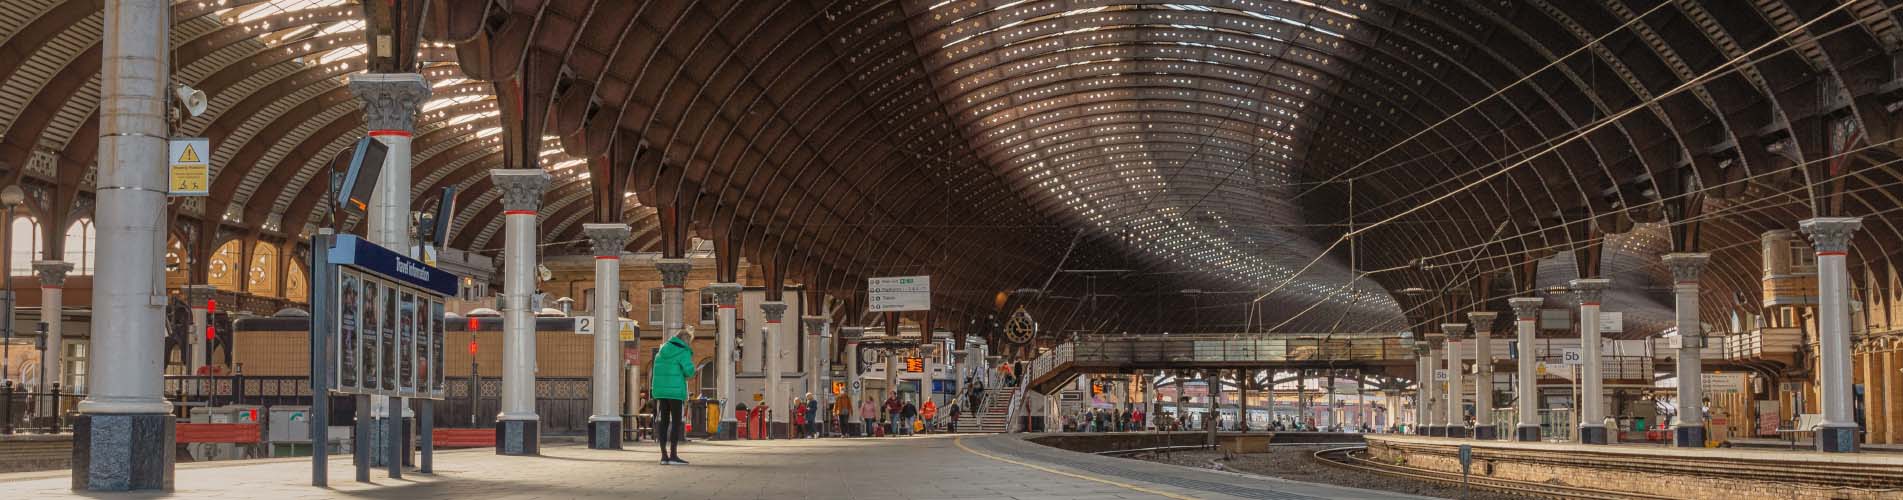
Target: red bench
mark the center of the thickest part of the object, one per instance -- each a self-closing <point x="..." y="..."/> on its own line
<point x="217" y="433"/>
<point x="463" y="438"/>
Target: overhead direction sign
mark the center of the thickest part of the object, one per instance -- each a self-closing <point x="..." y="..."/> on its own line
<point x="190" y="172"/>
<point x="899" y="293"/>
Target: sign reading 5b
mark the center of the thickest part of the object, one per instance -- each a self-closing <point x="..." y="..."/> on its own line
<point x="1572" y="356"/>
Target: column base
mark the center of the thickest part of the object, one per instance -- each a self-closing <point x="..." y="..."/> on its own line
<point x="604" y="435"/>
<point x="1455" y="431"/>
<point x="378" y="441"/>
<point x="1437" y="431"/>
<point x="779" y="430"/>
<point x="1526" y="433"/>
<point x="729" y="430"/>
<point x="1688" y="436"/>
<point x="123" y="452"/>
<point x="1592" y="434"/>
<point x="1487" y="432"/>
<point x="518" y="437"/>
<point x="1837" y="439"/>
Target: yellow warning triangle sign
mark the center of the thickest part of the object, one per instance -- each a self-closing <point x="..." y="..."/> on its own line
<point x="189" y="156"/>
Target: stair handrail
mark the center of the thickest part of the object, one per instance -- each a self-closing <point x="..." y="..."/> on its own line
<point x="1011" y="413"/>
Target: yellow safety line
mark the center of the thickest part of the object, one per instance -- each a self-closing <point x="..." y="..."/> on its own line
<point x="960" y="441"/>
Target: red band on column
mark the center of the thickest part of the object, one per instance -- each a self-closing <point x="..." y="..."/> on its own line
<point x="389" y="133"/>
<point x="607" y="257"/>
<point x="676" y="287"/>
<point x="726" y="307"/>
<point x="1529" y="319"/>
<point x="772" y="321"/>
<point x="518" y="212"/>
<point x="1594" y="304"/>
<point x="1832" y="252"/>
<point x="49" y="287"/>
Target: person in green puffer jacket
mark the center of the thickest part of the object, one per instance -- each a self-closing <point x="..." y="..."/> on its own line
<point x="673" y="365"/>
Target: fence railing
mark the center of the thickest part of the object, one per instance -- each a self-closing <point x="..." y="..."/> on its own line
<point x="23" y="410"/>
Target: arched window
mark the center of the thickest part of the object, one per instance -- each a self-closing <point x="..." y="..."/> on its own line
<point x="295" y="289"/>
<point x="25" y="247"/>
<point x="177" y="266"/>
<point x="80" y="240"/>
<point x="226" y="266"/>
<point x="262" y="278"/>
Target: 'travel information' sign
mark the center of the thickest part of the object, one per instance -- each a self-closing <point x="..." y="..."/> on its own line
<point x="901" y="293"/>
<point x="389" y="337"/>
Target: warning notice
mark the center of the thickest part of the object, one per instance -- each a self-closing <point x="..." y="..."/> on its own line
<point x="190" y="172"/>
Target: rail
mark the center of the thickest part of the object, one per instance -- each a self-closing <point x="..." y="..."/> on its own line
<point x="1348" y="460"/>
<point x="1011" y="413"/>
<point x="26" y="411"/>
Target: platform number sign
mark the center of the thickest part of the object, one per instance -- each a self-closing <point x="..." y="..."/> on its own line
<point x="584" y="325"/>
<point x="389" y="330"/>
<point x="1572" y="356"/>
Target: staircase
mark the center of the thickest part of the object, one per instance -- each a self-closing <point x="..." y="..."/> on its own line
<point x="992" y="418"/>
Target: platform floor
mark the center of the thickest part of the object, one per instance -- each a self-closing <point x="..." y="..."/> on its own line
<point x="926" y="467"/>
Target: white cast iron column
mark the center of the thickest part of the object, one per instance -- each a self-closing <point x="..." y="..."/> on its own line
<point x="604" y="426"/>
<point x="1456" y="371"/>
<point x="124" y="432"/>
<point x="1436" y="423"/>
<point x="1831" y="238"/>
<point x="198" y="299"/>
<point x="1526" y="315"/>
<point x="777" y="403"/>
<point x="518" y="427"/>
<point x="52" y="299"/>
<point x="725" y="296"/>
<point x="1592" y="428"/>
<point x="1482" y="322"/>
<point x="1689" y="426"/>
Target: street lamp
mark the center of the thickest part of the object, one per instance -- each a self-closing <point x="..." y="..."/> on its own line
<point x="10" y="196"/>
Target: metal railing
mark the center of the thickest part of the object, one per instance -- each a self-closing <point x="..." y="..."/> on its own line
<point x="1226" y="348"/>
<point x="25" y="411"/>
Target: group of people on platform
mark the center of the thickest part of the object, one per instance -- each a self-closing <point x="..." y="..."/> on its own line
<point x="1104" y="420"/>
<point x="895" y="416"/>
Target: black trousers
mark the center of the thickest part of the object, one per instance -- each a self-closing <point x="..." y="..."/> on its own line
<point x="668" y="427"/>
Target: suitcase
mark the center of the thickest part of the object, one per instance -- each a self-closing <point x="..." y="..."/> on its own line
<point x="878" y="431"/>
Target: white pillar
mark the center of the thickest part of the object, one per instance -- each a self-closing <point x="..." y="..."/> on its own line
<point x="198" y="299"/>
<point x="391" y="101"/>
<point x="52" y="299"/>
<point x="518" y="427"/>
<point x="810" y="364"/>
<point x="1831" y="238"/>
<point x="1526" y="315"/>
<point x="1482" y="322"/>
<point x="1592" y="428"/>
<point x="1423" y="387"/>
<point x="777" y="402"/>
<point x="125" y="413"/>
<point x="1689" y="425"/>
<point x="1437" y="393"/>
<point x="1456" y="372"/>
<point x="725" y="296"/>
<point x="673" y="298"/>
<point x="604" y="426"/>
<point x="925" y="376"/>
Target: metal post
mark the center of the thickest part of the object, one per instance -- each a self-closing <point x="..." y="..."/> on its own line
<point x="1831" y="238"/>
<point x="518" y="427"/>
<point x="1526" y="312"/>
<point x="124" y="434"/>
<point x="1688" y="429"/>
<point x="604" y="426"/>
<point x="426" y="417"/>
<point x="1592" y="393"/>
<point x="360" y="446"/>
<point x="725" y="297"/>
<point x="323" y="312"/>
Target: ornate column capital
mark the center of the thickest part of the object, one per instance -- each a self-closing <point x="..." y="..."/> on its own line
<point x="725" y="294"/>
<point x="1686" y="266"/>
<point x="1830" y="234"/>
<point x="197" y="296"/>
<point x="52" y="272"/>
<point x="522" y="188"/>
<point x="852" y="333"/>
<point x="674" y="272"/>
<point x="1590" y="291"/>
<point x="607" y="239"/>
<point x="1526" y="307"/>
<point x="390" y="100"/>
<point x="1454" y="330"/>
<point x="1435" y="339"/>
<point x="775" y="310"/>
<point x="815" y="324"/>
<point x="1482" y="321"/>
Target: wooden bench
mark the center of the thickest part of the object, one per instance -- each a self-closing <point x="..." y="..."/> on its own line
<point x="463" y="438"/>
<point x="217" y="433"/>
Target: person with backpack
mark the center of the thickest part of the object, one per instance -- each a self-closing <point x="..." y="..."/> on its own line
<point x="952" y="411"/>
<point x="908" y="414"/>
<point x="673" y="365"/>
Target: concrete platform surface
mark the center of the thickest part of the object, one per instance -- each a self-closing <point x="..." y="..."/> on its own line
<point x="1664" y="452"/>
<point x="926" y="467"/>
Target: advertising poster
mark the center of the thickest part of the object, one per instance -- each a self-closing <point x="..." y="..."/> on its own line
<point x="436" y="348"/>
<point x="372" y="341"/>
<point x="387" y="340"/>
<point x="406" y="343"/>
<point x="347" y="349"/>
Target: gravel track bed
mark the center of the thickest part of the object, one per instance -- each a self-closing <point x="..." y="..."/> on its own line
<point x="1298" y="463"/>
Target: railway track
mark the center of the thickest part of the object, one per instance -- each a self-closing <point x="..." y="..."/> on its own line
<point x="1346" y="458"/>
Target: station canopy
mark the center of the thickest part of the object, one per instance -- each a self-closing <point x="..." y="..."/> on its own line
<point x="1228" y="165"/>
